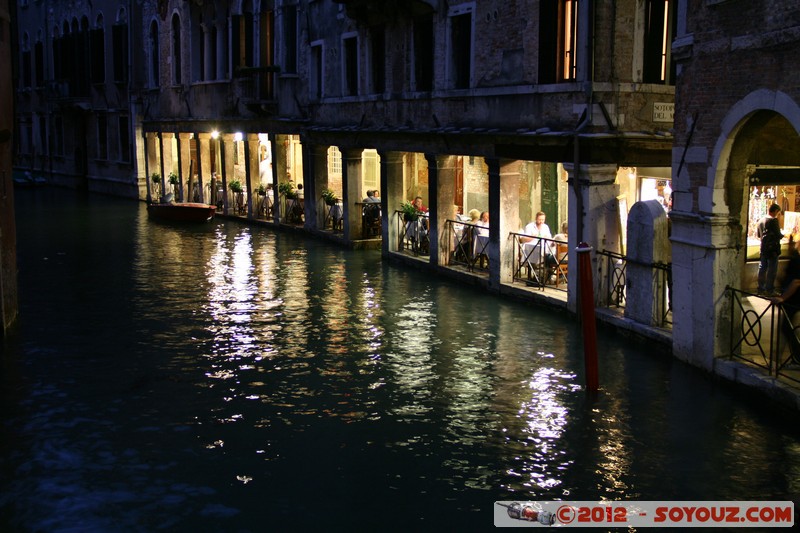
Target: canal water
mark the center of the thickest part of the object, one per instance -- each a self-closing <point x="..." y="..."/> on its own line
<point x="233" y="378"/>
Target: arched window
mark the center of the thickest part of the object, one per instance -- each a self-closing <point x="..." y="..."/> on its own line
<point x="152" y="70"/>
<point x="177" y="77"/>
<point x="97" y="49"/>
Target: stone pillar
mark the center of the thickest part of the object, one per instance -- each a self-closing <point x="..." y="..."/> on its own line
<point x="599" y="218"/>
<point x="444" y="193"/>
<point x="647" y="243"/>
<point x="163" y="180"/>
<point x="227" y="149"/>
<point x="507" y="218"/>
<point x="279" y="145"/>
<point x="351" y="192"/>
<point x="170" y="160"/>
<point x="251" y="169"/>
<point x="151" y="158"/>
<point x="204" y="157"/>
<point x="185" y="169"/>
<point x="433" y="207"/>
<point x="315" y="170"/>
<point x="392" y="165"/>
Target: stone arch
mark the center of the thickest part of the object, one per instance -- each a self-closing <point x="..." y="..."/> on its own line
<point x="762" y="129"/>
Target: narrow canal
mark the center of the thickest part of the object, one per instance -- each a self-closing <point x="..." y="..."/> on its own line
<point x="234" y="378"/>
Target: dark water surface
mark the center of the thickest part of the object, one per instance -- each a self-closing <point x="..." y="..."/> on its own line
<point x="234" y="378"/>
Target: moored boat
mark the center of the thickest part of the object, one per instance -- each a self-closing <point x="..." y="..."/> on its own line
<point x="182" y="211"/>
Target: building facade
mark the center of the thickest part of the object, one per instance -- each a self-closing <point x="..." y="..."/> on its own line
<point x="561" y="106"/>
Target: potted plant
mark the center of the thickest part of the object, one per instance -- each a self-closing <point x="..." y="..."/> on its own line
<point x="156" y="177"/>
<point x="330" y="197"/>
<point x="235" y="186"/>
<point x="287" y="190"/>
<point x="173" y="178"/>
<point x="261" y="189"/>
<point x="410" y="212"/>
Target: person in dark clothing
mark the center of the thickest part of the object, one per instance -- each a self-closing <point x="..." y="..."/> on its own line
<point x="769" y="231"/>
<point x="789" y="300"/>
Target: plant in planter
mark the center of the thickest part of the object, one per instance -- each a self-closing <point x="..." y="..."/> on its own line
<point x="410" y="212"/>
<point x="235" y="186"/>
<point x="156" y="177"/>
<point x="173" y="178"/>
<point x="287" y="190"/>
<point x="329" y="196"/>
<point x="261" y="189"/>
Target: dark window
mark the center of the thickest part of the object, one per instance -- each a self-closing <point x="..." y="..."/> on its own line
<point x="97" y="48"/>
<point x="39" y="55"/>
<point x="153" y="70"/>
<point x="558" y="37"/>
<point x="176" y="50"/>
<point x="119" y="34"/>
<point x="267" y="54"/>
<point x="316" y="72"/>
<point x="461" y="48"/>
<point x="124" y="140"/>
<point x="102" y="136"/>
<point x="350" y="55"/>
<point x="58" y="136"/>
<point x="290" y="38"/>
<point x="423" y="53"/>
<point x="43" y="135"/>
<point x="26" y="68"/>
<point x="242" y="40"/>
<point x="659" y="32"/>
<point x="378" y="59"/>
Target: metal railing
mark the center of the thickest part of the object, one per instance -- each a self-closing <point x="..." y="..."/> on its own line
<point x="469" y="245"/>
<point x="412" y="235"/>
<point x="614" y="277"/>
<point x="540" y="262"/>
<point x="370" y="219"/>
<point x="763" y="334"/>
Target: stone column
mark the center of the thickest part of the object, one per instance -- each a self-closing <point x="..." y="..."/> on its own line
<point x="351" y="192"/>
<point x="392" y="166"/>
<point x="279" y="143"/>
<point x="599" y="218"/>
<point x="184" y="164"/>
<point x="170" y="159"/>
<point x="433" y="207"/>
<point x="251" y="169"/>
<point x="315" y="172"/>
<point x="507" y="218"/>
<point x="204" y="157"/>
<point x="227" y="149"/>
<point x="151" y="156"/>
<point x="647" y="243"/>
<point x="444" y="193"/>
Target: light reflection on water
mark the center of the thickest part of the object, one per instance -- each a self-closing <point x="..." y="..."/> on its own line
<point x="228" y="377"/>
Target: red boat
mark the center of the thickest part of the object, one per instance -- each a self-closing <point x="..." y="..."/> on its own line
<point x="182" y="211"/>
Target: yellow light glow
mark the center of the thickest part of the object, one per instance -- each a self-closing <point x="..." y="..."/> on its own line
<point x="214" y="134"/>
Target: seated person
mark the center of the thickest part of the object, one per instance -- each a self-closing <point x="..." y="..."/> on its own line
<point x="538" y="228"/>
<point x="370" y="198"/>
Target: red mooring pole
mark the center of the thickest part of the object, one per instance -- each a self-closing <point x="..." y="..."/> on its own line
<point x="587" y="315"/>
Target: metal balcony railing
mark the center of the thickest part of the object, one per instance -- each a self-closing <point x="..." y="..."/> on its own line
<point x="764" y="334"/>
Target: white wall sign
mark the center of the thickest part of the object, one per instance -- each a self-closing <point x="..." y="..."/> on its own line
<point x="663" y="111"/>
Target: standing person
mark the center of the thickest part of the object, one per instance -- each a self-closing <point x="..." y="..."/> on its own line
<point x="769" y="231"/>
<point x="789" y="300"/>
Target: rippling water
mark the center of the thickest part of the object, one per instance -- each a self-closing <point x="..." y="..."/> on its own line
<point x="233" y="378"/>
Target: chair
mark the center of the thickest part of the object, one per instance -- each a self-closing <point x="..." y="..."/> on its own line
<point x="561" y="267"/>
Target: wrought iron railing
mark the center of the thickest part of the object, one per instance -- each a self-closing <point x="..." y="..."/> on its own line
<point x="540" y="262"/>
<point x="469" y="245"/>
<point x="370" y="219"/>
<point x="614" y="278"/>
<point x="412" y="233"/>
<point x="764" y="334"/>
